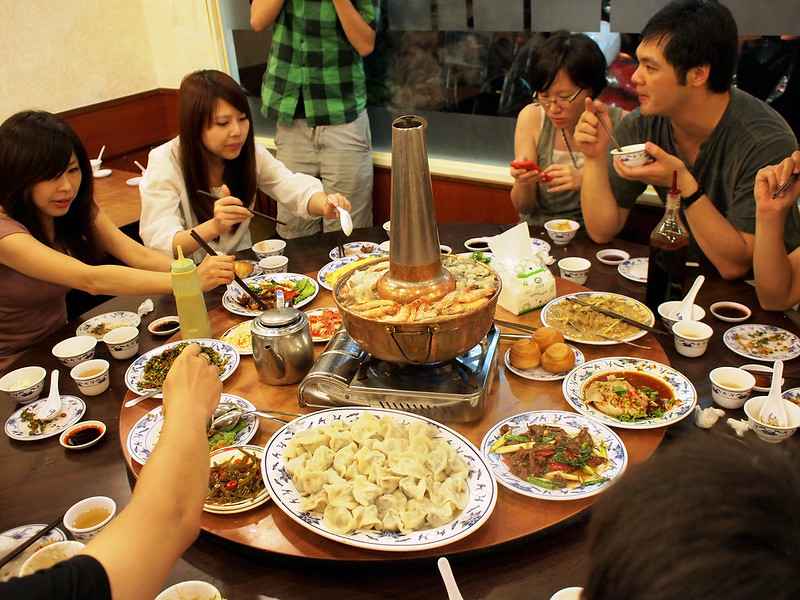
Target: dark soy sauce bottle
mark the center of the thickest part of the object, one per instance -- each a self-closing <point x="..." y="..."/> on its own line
<point x="669" y="243"/>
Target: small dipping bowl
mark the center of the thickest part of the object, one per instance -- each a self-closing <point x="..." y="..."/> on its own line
<point x="50" y="555"/>
<point x="386" y="227"/>
<point x="85" y="519"/>
<point x="691" y="337"/>
<point x="23" y="385"/>
<point x="478" y="244"/>
<point x="665" y="310"/>
<point x="730" y="386"/>
<point x="122" y="342"/>
<point x="612" y="256"/>
<point x="73" y="351"/>
<point x="574" y="268"/>
<point x="559" y="232"/>
<point x="733" y="312"/>
<point x="82" y="435"/>
<point x="445" y="249"/>
<point x="763" y="375"/>
<point x="384" y="248"/>
<point x="274" y="264"/>
<point x="266" y="248"/>
<point x="92" y="376"/>
<point x="771" y="433"/>
<point x="196" y="590"/>
<point x="164" y="325"/>
<point x="633" y="155"/>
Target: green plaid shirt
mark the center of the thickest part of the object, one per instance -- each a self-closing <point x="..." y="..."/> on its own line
<point x="310" y="53"/>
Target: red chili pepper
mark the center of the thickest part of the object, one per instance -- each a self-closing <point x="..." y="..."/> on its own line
<point x="570" y="455"/>
<point x="555" y="466"/>
<point x="545" y="453"/>
<point x="230" y="485"/>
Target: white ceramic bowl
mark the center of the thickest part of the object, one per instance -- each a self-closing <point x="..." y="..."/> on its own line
<point x="157" y="327"/>
<point x="50" y="555"/>
<point x="691" y="337"/>
<point x="387" y="227"/>
<point x="665" y="310"/>
<point x="81" y="509"/>
<point x="384" y="248"/>
<point x="477" y="244"/>
<point x="732" y="312"/>
<point x="633" y="155"/>
<point x="574" y="268"/>
<point x="266" y="248"/>
<point x="771" y="433"/>
<point x="274" y="264"/>
<point x="194" y="590"/>
<point x="612" y="256"/>
<point x="24" y="385"/>
<point x="445" y="249"/>
<point x="558" y="233"/>
<point x="122" y="342"/>
<point x="763" y="375"/>
<point x="79" y="435"/>
<point x="92" y="376"/>
<point x="730" y="386"/>
<point x="73" y="351"/>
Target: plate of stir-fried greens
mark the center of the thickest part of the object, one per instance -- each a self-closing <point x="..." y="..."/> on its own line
<point x="151" y="368"/>
<point x="554" y="455"/>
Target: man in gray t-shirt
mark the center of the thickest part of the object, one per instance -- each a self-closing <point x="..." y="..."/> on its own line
<point x="716" y="137"/>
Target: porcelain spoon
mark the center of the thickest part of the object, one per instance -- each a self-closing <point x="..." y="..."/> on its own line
<point x="453" y="592"/>
<point x="772" y="411"/>
<point x="684" y="310"/>
<point x="50" y="409"/>
<point x="346" y="220"/>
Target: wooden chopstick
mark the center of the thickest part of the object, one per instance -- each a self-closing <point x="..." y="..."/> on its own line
<point x="255" y="212"/>
<point x="210" y="251"/>
<point x="623" y="318"/>
<point x="29" y="542"/>
<point x="785" y="185"/>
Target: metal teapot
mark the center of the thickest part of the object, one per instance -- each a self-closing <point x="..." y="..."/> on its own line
<point x="282" y="347"/>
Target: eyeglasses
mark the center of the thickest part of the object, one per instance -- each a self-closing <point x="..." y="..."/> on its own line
<point x="559" y="102"/>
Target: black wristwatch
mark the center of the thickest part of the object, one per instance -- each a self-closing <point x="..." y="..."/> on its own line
<point x="687" y="201"/>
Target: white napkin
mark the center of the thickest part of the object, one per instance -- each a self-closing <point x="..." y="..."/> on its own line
<point x="706" y="417"/>
<point x="513" y="244"/>
<point x="145" y="307"/>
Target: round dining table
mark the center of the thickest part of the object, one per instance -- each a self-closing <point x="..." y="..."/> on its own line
<point x="528" y="547"/>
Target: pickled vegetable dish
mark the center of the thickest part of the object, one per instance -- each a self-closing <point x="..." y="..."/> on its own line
<point x="236" y="479"/>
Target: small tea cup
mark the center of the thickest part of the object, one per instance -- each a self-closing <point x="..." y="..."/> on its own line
<point x="561" y="231"/>
<point x="665" y="310"/>
<point x="387" y="226"/>
<point x="574" y="268"/>
<point x="691" y="337"/>
<point x="633" y="155"/>
<point x="73" y="351"/>
<point x="273" y="264"/>
<point x="91" y="376"/>
<point x="266" y="248"/>
<point x="96" y="164"/>
<point x="731" y="386"/>
<point x="122" y="342"/>
<point x="85" y="519"/>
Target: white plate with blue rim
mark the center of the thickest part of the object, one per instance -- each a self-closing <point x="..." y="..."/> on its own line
<point x="14" y="537"/>
<point x="634" y="269"/>
<point x="356" y="249"/>
<point x="331" y="267"/>
<point x="571" y="423"/>
<point x="762" y="342"/>
<point x="135" y="373"/>
<point x="17" y="426"/>
<point x="540" y="373"/>
<point x="482" y="486"/>
<point x="229" y="299"/>
<point x="143" y="436"/>
<point x="684" y="392"/>
<point x="98" y="326"/>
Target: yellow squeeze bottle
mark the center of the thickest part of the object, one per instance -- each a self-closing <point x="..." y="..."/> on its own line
<point x="192" y="313"/>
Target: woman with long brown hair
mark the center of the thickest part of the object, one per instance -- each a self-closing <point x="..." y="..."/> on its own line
<point x="216" y="152"/>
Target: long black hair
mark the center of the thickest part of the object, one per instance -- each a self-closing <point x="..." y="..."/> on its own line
<point x="37" y="146"/>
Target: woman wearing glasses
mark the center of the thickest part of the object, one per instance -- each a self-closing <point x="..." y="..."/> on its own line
<point x="566" y="69"/>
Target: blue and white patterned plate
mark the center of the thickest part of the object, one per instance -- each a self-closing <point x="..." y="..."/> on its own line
<point x="72" y="409"/>
<point x="571" y="423"/>
<point x="112" y="320"/>
<point x="230" y="296"/>
<point x="355" y="249"/>
<point x="775" y="343"/>
<point x="634" y="269"/>
<point x="20" y="534"/>
<point x="540" y="373"/>
<point x="331" y="267"/>
<point x="134" y="373"/>
<point x="482" y="486"/>
<point x="684" y="391"/>
<point x="540" y="244"/>
<point x="144" y="434"/>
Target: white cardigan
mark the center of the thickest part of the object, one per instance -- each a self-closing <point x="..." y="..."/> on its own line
<point x="166" y="209"/>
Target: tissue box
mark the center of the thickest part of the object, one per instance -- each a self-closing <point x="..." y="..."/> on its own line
<point x="527" y="285"/>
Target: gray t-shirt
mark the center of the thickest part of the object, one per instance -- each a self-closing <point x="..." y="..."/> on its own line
<point x="749" y="136"/>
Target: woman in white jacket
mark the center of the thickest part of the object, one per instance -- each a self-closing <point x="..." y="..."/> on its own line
<point x="216" y="152"/>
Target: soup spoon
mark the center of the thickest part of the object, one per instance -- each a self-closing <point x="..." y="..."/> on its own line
<point x="346" y="220"/>
<point x="684" y="310"/>
<point x="50" y="409"/>
<point x="772" y="411"/>
<point x="453" y="592"/>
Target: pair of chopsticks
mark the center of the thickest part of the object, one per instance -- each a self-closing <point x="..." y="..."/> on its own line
<point x="785" y="185"/>
<point x="517" y="326"/>
<point x="210" y="251"/>
<point x="255" y="212"/>
<point x="608" y="131"/>
<point x="623" y="318"/>
<point x="29" y="542"/>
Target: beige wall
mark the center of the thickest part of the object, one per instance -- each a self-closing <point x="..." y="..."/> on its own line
<point x="57" y="55"/>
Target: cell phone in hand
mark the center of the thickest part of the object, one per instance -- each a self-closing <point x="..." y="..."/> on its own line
<point x="529" y="165"/>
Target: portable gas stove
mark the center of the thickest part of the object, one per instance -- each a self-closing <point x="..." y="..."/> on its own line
<point x="454" y="391"/>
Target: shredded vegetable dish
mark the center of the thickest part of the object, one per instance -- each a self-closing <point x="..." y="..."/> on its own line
<point x="236" y="479"/>
<point x="549" y="457"/>
<point x="156" y="369"/>
<point x="584" y="324"/>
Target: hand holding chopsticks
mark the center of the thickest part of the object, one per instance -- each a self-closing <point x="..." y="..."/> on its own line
<point x="608" y="130"/>
<point x="255" y="212"/>
<point x="210" y="251"/>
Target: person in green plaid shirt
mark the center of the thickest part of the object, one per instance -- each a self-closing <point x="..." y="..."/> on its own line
<point x="315" y="87"/>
